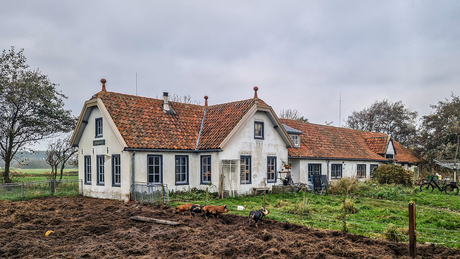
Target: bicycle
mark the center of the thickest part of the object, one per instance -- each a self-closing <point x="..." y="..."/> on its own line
<point x="449" y="188"/>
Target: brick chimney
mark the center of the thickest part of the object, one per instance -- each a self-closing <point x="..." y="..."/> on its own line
<point x="206" y="101"/>
<point x="166" y="107"/>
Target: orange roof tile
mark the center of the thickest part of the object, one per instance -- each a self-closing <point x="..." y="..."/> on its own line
<point x="320" y="141"/>
<point x="220" y="120"/>
<point x="143" y="124"/>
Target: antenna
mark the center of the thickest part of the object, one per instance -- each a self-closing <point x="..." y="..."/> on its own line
<point x="136" y="83"/>
<point x="340" y="107"/>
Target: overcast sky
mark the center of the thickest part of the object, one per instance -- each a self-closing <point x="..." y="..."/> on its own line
<point x="301" y="54"/>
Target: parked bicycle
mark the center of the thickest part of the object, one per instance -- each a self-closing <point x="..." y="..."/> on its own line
<point x="429" y="184"/>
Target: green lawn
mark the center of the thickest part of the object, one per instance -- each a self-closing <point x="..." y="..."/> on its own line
<point x="377" y="213"/>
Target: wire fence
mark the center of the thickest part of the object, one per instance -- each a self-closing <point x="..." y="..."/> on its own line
<point x="369" y="228"/>
<point x="150" y="193"/>
<point x="373" y="229"/>
<point x="30" y="190"/>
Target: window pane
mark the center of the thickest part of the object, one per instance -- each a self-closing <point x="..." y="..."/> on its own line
<point x="271" y="169"/>
<point x="245" y="169"/>
<point x="154" y="169"/>
<point x="258" y="129"/>
<point x="181" y="170"/>
<point x="87" y="169"/>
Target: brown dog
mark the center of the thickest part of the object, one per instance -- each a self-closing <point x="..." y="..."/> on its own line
<point x="214" y="210"/>
<point x="184" y="207"/>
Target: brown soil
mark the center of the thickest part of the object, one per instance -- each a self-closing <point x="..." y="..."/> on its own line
<point x="93" y="228"/>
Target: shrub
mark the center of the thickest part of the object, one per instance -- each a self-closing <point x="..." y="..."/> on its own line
<point x="395" y="234"/>
<point x="392" y="174"/>
<point x="350" y="207"/>
<point x="348" y="186"/>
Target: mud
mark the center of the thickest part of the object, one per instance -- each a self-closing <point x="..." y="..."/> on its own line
<point x="93" y="228"/>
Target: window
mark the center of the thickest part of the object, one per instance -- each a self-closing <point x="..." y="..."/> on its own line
<point x="336" y="171"/>
<point x="372" y="169"/>
<point x="389" y="156"/>
<point x="245" y="169"/>
<point x="314" y="169"/>
<point x="87" y="169"/>
<point x="361" y="171"/>
<point x="271" y="169"/>
<point x="116" y="170"/>
<point x="181" y="170"/>
<point x="258" y="129"/>
<point x="100" y="169"/>
<point x="154" y="168"/>
<point x="98" y="127"/>
<point x="296" y="140"/>
<point x="205" y="169"/>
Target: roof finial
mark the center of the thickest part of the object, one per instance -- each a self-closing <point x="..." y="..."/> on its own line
<point x="103" y="81"/>
<point x="206" y="100"/>
<point x="255" y="92"/>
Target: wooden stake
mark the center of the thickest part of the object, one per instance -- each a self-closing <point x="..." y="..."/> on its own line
<point x="344" y="214"/>
<point x="412" y="236"/>
<point x="159" y="221"/>
<point x="264" y="199"/>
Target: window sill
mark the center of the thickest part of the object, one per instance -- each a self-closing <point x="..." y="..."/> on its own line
<point x="88" y="183"/>
<point x="182" y="183"/>
<point x="116" y="185"/>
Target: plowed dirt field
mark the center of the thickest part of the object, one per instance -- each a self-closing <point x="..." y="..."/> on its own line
<point x="93" y="228"/>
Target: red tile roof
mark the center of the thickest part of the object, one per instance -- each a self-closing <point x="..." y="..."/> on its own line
<point x="143" y="124"/>
<point x="320" y="141"/>
<point x="220" y="120"/>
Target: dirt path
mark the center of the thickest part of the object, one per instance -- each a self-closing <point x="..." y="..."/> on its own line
<point x="92" y="228"/>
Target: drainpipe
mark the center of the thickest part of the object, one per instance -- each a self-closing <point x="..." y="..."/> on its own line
<point x="132" y="193"/>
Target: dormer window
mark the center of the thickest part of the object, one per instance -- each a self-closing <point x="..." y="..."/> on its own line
<point x="258" y="130"/>
<point x="296" y="140"/>
<point x="389" y="156"/>
<point x="98" y="127"/>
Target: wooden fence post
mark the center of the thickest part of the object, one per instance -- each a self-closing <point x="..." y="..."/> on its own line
<point x="23" y="192"/>
<point x="264" y="199"/>
<point x="163" y="194"/>
<point x="412" y="226"/>
<point x="207" y="195"/>
<point x="344" y="214"/>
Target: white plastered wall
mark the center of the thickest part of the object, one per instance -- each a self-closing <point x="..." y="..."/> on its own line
<point x="349" y="168"/>
<point x="244" y="144"/>
<point x="111" y="147"/>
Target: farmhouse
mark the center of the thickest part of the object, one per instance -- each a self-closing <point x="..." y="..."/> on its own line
<point x="341" y="152"/>
<point x="232" y="147"/>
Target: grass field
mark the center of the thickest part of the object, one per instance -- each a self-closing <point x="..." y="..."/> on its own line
<point x="378" y="213"/>
<point x="31" y="175"/>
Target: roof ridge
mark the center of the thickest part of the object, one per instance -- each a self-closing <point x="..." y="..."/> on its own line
<point x="157" y="99"/>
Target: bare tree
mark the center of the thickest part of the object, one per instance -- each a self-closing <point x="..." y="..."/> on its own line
<point x="292" y="114"/>
<point x="181" y="99"/>
<point x="66" y="153"/>
<point x="58" y="154"/>
<point x="52" y="160"/>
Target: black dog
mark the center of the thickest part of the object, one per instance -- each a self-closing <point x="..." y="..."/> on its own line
<point x="257" y="215"/>
<point x="196" y="208"/>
